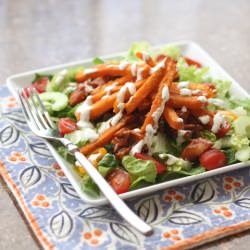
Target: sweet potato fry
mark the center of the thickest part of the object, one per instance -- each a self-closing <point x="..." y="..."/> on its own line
<point x="173" y="120"/>
<point x="146" y="58"/>
<point x="159" y="99"/>
<point x="119" y="81"/>
<point x="100" y="71"/>
<point x="197" y="89"/>
<point x="105" y="138"/>
<point x="150" y="84"/>
<point x="191" y="102"/>
<point x="102" y="106"/>
<point x="137" y="85"/>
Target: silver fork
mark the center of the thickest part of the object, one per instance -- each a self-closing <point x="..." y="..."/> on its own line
<point x="41" y="124"/>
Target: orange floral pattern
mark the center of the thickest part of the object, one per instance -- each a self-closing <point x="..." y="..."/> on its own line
<point x="17" y="157"/>
<point x="172" y="195"/>
<point x="58" y="169"/>
<point x="94" y="237"/>
<point x="224" y="211"/>
<point x="231" y="183"/>
<point x="172" y="234"/>
<point x="40" y="200"/>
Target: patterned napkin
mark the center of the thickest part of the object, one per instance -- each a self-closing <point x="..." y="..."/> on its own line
<point x="182" y="217"/>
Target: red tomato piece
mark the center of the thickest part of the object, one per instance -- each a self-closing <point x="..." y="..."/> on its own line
<point x="161" y="168"/>
<point x="190" y="62"/>
<point x="66" y="126"/>
<point x="119" y="180"/>
<point x="195" y="148"/>
<point x="224" y="130"/>
<point x="40" y="84"/>
<point x="212" y="159"/>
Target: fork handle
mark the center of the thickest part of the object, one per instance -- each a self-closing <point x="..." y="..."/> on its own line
<point x="110" y="194"/>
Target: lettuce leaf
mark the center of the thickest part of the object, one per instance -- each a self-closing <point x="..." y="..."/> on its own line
<point x="97" y="60"/>
<point x="139" y="170"/>
<point x="235" y="103"/>
<point x="89" y="186"/>
<point x="171" y="51"/>
<point x="206" y="134"/>
<point x="137" y="46"/>
<point x="222" y="88"/>
<point x="108" y="160"/>
<point x="191" y="73"/>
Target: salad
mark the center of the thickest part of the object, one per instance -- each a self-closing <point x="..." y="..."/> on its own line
<point x="152" y="116"/>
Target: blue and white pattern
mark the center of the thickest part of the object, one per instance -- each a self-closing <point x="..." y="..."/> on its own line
<point x="69" y="223"/>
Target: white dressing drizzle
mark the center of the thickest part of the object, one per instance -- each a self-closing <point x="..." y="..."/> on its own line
<point x="60" y="77"/>
<point x="171" y="159"/>
<point x="158" y="66"/>
<point x="183" y="84"/>
<point x="202" y="98"/>
<point x="204" y="119"/>
<point x="84" y="111"/>
<point x="89" y="71"/>
<point x="151" y="130"/>
<point x="184" y="109"/>
<point x="196" y="91"/>
<point x="123" y="65"/>
<point x="145" y="56"/>
<point x="108" y="90"/>
<point x="180" y="120"/>
<point x="134" y="69"/>
<point x="181" y="136"/>
<point x="185" y="92"/>
<point x="216" y="102"/>
<point x="217" y="122"/>
<point x="139" y="74"/>
<point x="130" y="87"/>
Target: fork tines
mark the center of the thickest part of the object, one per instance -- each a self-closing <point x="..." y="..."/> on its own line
<point x="34" y="109"/>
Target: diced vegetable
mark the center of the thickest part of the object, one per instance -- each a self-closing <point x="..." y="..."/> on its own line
<point x="66" y="126"/>
<point x="213" y="159"/>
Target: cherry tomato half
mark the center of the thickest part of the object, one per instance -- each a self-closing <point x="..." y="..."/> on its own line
<point x="195" y="148"/>
<point x="213" y="158"/>
<point x="190" y="62"/>
<point x="224" y="130"/>
<point x="40" y="84"/>
<point x="66" y="126"/>
<point x="119" y="180"/>
<point x="161" y="168"/>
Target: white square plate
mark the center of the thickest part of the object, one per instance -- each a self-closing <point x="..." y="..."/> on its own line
<point x="189" y="49"/>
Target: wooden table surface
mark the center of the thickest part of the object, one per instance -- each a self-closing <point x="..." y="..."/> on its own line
<point x="34" y="34"/>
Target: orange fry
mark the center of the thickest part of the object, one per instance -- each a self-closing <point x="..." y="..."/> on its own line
<point x="137" y="85"/>
<point x="101" y="70"/>
<point x="205" y="89"/>
<point x="146" y="58"/>
<point x="191" y="102"/>
<point x="104" y="138"/>
<point x="150" y="84"/>
<point x="102" y="106"/>
<point x="173" y="120"/>
<point x="158" y="100"/>
<point x="119" y="81"/>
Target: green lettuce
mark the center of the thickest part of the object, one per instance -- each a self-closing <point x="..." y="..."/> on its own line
<point x="206" y="134"/>
<point x="108" y="160"/>
<point x="97" y="60"/>
<point x="171" y="51"/>
<point x="244" y="103"/>
<point x="179" y="168"/>
<point x="191" y="73"/>
<point x="89" y="186"/>
<point x="138" y="46"/>
<point x="139" y="170"/>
